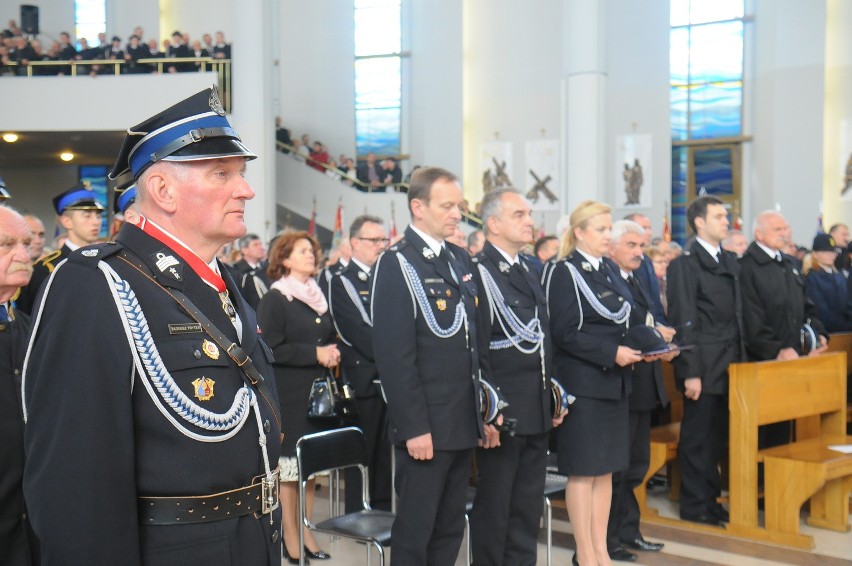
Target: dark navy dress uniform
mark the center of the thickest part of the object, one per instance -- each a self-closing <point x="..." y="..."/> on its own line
<point x="508" y="505"/>
<point x="17" y="545"/>
<point x="252" y="281"/>
<point x="349" y="300"/>
<point x="828" y="291"/>
<point x="585" y="366"/>
<point x="100" y="435"/>
<point x="647" y="390"/>
<point x="432" y="386"/>
<point x="705" y="293"/>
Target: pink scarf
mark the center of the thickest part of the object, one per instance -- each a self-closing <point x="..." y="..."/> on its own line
<point x="308" y="292"/>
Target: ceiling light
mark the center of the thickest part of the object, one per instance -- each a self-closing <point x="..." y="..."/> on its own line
<point x="66" y="156"/>
<point x="10" y="137"/>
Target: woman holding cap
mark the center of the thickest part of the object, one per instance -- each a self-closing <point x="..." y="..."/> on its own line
<point x="826" y="286"/>
<point x="589" y="317"/>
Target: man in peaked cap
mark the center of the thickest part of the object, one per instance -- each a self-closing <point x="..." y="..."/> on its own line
<point x="80" y="214"/>
<point x="153" y="434"/>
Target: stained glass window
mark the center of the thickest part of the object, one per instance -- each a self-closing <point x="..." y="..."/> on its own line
<point x="378" y="77"/>
<point x="89" y="20"/>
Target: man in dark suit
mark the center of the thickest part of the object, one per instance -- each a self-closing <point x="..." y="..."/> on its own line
<point x="349" y="301"/>
<point x="645" y="274"/>
<point x="17" y="544"/>
<point x="425" y="297"/>
<point x="370" y="174"/>
<point x="775" y="306"/>
<point x="80" y="214"/>
<point x="514" y="328"/>
<point x="250" y="272"/>
<point x="627" y="238"/>
<point x="166" y="444"/>
<point x="704" y="291"/>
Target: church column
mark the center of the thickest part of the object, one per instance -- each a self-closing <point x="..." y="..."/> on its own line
<point x="252" y="115"/>
<point x="583" y="102"/>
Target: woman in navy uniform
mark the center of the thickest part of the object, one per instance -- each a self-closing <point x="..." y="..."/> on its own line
<point x="296" y="324"/>
<point x="589" y="316"/>
<point x="826" y="287"/>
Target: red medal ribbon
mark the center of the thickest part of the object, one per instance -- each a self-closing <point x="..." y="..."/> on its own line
<point x="196" y="263"/>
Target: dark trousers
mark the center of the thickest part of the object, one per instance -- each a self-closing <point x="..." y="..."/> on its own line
<point x="509" y="500"/>
<point x="429" y="524"/>
<point x="624" y="512"/>
<point x="703" y="437"/>
<point x="372" y="420"/>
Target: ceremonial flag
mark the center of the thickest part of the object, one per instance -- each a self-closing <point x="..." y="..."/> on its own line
<point x="667" y="231"/>
<point x="338" y="226"/>
<point x="312" y="226"/>
<point x="393" y="233"/>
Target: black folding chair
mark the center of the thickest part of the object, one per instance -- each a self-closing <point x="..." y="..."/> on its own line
<point x="330" y="451"/>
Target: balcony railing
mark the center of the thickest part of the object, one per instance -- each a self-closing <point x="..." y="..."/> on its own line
<point x="222" y="68"/>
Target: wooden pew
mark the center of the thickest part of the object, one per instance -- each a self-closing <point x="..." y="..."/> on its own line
<point x="664" y="440"/>
<point x="768" y="392"/>
<point x="842" y="342"/>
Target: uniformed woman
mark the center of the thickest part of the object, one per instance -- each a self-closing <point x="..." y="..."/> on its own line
<point x="589" y="316"/>
<point x="296" y="324"/>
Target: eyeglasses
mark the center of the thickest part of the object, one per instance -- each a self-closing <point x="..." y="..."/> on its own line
<point x="376" y="240"/>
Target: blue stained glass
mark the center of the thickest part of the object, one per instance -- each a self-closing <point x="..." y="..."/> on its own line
<point x="377" y="83"/>
<point x="714" y="172"/>
<point x="679" y="56"/>
<point x="715" y="110"/>
<point x="679" y="172"/>
<point x="377" y="131"/>
<point x="377" y="30"/>
<point x="679" y="112"/>
<point x="716" y="53"/>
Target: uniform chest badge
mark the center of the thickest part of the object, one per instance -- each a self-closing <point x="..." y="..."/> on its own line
<point x="362" y="276"/>
<point x="90" y="253"/>
<point x="441" y="304"/>
<point x="428" y="253"/>
<point x="504" y="267"/>
<point x="467" y="277"/>
<point x="586" y="266"/>
<point x="210" y="349"/>
<point x="203" y="387"/>
<point x="449" y="292"/>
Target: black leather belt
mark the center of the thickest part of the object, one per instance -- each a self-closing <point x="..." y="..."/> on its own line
<point x="259" y="498"/>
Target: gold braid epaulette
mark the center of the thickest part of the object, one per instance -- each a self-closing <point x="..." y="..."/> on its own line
<point x="46" y="260"/>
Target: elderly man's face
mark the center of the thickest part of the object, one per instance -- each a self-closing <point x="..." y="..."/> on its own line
<point x="15" y="268"/>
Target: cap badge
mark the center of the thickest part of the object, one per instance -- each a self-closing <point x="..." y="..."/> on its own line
<point x="362" y="276"/>
<point x="428" y="253"/>
<point x="210" y="349"/>
<point x="89" y="253"/>
<point x="441" y="304"/>
<point x="203" y="387"/>
<point x="216" y="102"/>
<point x="504" y="267"/>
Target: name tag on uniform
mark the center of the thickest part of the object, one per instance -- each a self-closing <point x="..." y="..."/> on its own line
<point x="432" y="281"/>
<point x="186" y="328"/>
<point x="604" y="295"/>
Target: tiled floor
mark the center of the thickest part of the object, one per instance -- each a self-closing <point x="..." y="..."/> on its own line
<point x="682" y="547"/>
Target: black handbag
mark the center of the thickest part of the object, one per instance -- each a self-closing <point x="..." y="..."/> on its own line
<point x="327" y="401"/>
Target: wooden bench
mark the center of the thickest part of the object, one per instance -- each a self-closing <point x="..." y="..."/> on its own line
<point x="842" y="342"/>
<point x="768" y="392"/>
<point x="664" y="440"/>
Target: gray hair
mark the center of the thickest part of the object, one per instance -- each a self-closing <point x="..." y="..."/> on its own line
<point x="760" y="219"/>
<point x="358" y="223"/>
<point x="622" y="227"/>
<point x="246" y="240"/>
<point x="729" y="239"/>
<point x="492" y="204"/>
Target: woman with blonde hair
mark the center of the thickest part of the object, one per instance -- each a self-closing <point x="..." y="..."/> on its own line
<point x="589" y="314"/>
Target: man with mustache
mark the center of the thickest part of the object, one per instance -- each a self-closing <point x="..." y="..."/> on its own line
<point x="80" y="213"/>
<point x="17" y="545"/>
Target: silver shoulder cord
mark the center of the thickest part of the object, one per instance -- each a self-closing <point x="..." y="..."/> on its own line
<point x="415" y="287"/>
<point x="622" y="316"/>
<point x="353" y="296"/>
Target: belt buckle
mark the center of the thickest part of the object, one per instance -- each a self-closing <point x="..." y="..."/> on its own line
<point x="269" y="493"/>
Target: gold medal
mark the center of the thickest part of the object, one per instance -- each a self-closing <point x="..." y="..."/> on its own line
<point x="210" y="349"/>
<point x="441" y="304"/>
<point x="203" y="387"/>
<point x="449" y="293"/>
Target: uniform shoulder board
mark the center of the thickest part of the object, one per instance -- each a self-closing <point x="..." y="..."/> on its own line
<point x="398" y="246"/>
<point x="48" y="260"/>
<point x="91" y="255"/>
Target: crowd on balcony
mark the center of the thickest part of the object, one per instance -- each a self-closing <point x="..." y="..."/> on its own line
<point x="18" y="50"/>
